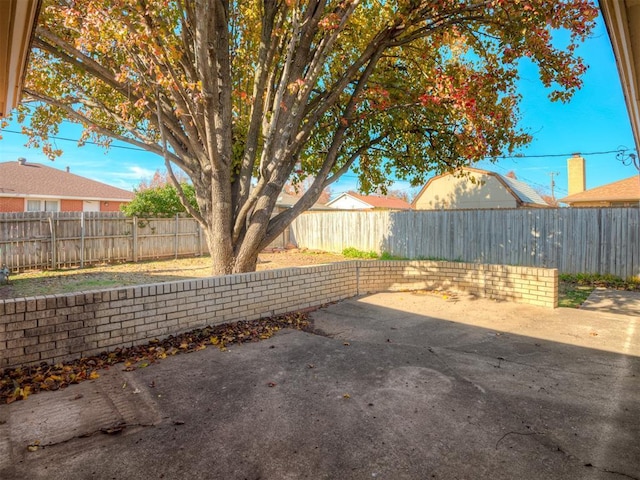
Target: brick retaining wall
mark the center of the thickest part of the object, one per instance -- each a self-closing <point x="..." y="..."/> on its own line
<point x="55" y="328"/>
<point x="535" y="286"/>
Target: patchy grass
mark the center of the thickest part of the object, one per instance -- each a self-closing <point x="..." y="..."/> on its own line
<point x="439" y="259"/>
<point x="49" y="282"/>
<point x="574" y="289"/>
<point x="572" y="295"/>
<point x="388" y="256"/>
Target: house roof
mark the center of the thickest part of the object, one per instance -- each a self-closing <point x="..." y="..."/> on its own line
<point x="286" y="200"/>
<point x="17" y="19"/>
<point x="622" y="19"/>
<point x="523" y="193"/>
<point x="39" y="181"/>
<point x="375" y="201"/>
<point x="627" y="189"/>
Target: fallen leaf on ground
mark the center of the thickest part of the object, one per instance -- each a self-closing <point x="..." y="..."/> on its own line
<point x="117" y="428"/>
<point x="32" y="447"/>
<point x="18" y="383"/>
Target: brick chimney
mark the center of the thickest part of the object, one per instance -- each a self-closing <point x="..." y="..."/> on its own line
<point x="577" y="174"/>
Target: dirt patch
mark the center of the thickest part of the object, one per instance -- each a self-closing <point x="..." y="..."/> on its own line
<point x="49" y="282"/>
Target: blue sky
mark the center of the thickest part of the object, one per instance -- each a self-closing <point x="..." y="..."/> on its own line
<point x="595" y="120"/>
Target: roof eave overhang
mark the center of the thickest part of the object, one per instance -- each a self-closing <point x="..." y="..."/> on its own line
<point x="622" y="18"/>
<point x="17" y="21"/>
<point x="36" y="196"/>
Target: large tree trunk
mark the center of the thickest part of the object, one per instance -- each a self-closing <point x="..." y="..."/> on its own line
<point x="218" y="228"/>
<point x="252" y="241"/>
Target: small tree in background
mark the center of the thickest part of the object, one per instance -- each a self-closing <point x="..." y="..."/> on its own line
<point x="402" y="194"/>
<point x="159" y="198"/>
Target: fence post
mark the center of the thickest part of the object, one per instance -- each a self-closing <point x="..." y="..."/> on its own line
<point x="134" y="231"/>
<point x="175" y="242"/>
<point x="54" y="247"/>
<point x="82" y="240"/>
<point x="199" y="238"/>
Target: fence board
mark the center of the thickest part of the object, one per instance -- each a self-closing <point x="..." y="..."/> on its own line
<point x="573" y="240"/>
<point x="65" y="239"/>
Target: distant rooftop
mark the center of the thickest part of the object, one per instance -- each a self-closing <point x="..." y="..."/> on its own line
<point x="22" y="179"/>
<point x="377" y="201"/>
<point x="627" y="189"/>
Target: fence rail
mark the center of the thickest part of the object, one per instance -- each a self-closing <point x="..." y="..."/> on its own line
<point x="573" y="240"/>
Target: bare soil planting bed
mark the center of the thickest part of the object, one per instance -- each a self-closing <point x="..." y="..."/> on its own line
<point x="49" y="282"/>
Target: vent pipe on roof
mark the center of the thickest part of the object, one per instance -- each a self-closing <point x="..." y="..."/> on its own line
<point x="67" y="168"/>
<point x="22" y="161"/>
<point x="577" y="174"/>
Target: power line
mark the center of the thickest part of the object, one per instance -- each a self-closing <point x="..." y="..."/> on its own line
<point x="124" y="147"/>
<point x="531" y="182"/>
<point x="551" y="155"/>
<point x="351" y="175"/>
<point x="506" y="157"/>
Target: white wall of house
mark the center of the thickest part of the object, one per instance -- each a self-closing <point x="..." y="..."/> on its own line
<point x="451" y="192"/>
<point x="347" y="202"/>
<point x="90" y="206"/>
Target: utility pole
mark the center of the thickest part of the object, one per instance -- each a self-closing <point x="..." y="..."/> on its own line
<point x="553" y="184"/>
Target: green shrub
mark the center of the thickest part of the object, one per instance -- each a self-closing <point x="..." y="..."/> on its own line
<point x="161" y="201"/>
<point x="388" y="256"/>
<point x="351" y="252"/>
<point x="600" y="280"/>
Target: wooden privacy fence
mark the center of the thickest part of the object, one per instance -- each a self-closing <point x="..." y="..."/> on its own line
<point x="67" y="239"/>
<point x="573" y="240"/>
<point x="64" y="239"/>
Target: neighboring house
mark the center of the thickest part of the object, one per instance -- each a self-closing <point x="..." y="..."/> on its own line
<point x="286" y="200"/>
<point x="355" y="201"/>
<point x="623" y="193"/>
<point x="475" y="188"/>
<point x="32" y="187"/>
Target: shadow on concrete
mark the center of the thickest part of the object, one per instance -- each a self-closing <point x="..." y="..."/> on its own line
<point x="613" y="301"/>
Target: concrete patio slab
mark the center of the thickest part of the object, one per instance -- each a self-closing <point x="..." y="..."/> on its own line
<point x="392" y="386"/>
<point x="613" y="301"/>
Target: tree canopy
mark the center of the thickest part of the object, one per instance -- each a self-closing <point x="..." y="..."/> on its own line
<point x="246" y="96"/>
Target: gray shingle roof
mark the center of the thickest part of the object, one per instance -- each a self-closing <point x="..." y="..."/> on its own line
<point x="524" y="191"/>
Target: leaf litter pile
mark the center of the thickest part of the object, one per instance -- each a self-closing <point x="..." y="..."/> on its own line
<point x="19" y="383"/>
